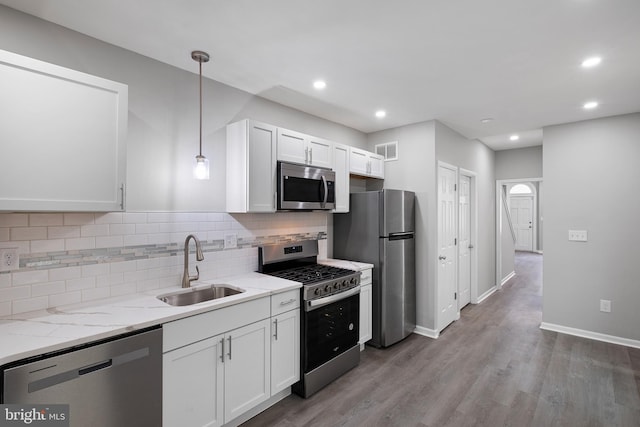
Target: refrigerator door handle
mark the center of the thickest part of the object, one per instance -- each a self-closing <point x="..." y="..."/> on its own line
<point x="401" y="236"/>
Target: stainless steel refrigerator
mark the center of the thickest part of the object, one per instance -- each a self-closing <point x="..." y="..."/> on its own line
<point x="379" y="229"/>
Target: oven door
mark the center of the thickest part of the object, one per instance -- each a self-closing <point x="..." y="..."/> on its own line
<point x="330" y="327"/>
<point x="305" y="187"/>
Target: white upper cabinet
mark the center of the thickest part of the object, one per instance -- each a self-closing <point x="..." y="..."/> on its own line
<point x="251" y="167"/>
<point x="304" y="149"/>
<point x="365" y="163"/>
<point x="62" y="138"/>
<point x="341" y="168"/>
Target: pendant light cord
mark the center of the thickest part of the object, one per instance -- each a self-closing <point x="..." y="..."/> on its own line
<point x="200" y="61"/>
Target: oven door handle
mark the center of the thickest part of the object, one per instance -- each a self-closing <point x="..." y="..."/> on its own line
<point x="321" y="302"/>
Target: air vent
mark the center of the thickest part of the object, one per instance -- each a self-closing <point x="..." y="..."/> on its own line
<point x="389" y="150"/>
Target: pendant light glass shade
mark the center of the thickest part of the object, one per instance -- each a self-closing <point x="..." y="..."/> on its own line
<point x="201" y="167"/>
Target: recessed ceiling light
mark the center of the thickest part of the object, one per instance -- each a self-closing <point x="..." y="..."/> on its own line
<point x="380" y="114"/>
<point x="590" y="105"/>
<point x="591" y="62"/>
<point x="487" y="120"/>
<point x="514" y="138"/>
<point x="319" y="84"/>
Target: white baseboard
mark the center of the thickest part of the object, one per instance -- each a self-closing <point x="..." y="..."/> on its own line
<point x="590" y="335"/>
<point x="426" y="332"/>
<point x="538" y="252"/>
<point x="507" y="278"/>
<point x="486" y="295"/>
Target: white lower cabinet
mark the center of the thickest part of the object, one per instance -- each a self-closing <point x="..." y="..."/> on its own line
<point x="192" y="391"/>
<point x="223" y="363"/>
<point x="366" y="301"/>
<point x="285" y="350"/>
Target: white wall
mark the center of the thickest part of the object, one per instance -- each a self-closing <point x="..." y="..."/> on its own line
<point x="473" y="155"/>
<point x="163" y="114"/>
<point x="415" y="170"/>
<point x="591" y="176"/>
<point x="519" y="163"/>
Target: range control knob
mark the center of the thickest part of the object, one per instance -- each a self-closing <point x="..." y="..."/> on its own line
<point x="354" y="280"/>
<point x="316" y="291"/>
<point x="327" y="288"/>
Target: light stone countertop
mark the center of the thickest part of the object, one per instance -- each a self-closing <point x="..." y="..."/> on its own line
<point x="35" y="333"/>
<point x="348" y="265"/>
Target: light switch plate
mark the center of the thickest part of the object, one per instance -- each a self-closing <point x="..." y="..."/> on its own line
<point x="605" y="306"/>
<point x="9" y="259"/>
<point x="578" y="235"/>
<point x="230" y="241"/>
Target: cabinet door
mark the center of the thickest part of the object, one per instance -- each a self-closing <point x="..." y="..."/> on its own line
<point x="285" y="350"/>
<point x="365" y="314"/>
<point x="341" y="168"/>
<point x="292" y="146"/>
<point x="261" y="168"/>
<point x="247" y="365"/>
<point x="376" y="165"/>
<point x="192" y="385"/>
<point x="62" y="138"/>
<point x="320" y="152"/>
<point x="358" y="161"/>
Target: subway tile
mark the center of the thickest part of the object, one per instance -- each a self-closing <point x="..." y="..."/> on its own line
<point x="160" y="217"/>
<point x="93" y="230"/>
<point x="30" y="304"/>
<point x="109" y="241"/>
<point x="123" y="266"/>
<point x="28" y="233"/>
<point x="65" y="299"/>
<point x="136" y="240"/>
<point x="14" y="220"/>
<point x="64" y="232"/>
<point x="80" y="243"/>
<point x="78" y="218"/>
<point x="48" y="288"/>
<point x="215" y="216"/>
<point x="4" y="234"/>
<point x="29" y="277"/>
<point x="45" y="219"/>
<point x="147" y="228"/>
<point x="51" y="245"/>
<point x="109" y="218"/>
<point x="122" y="229"/>
<point x="94" y="294"/>
<point x="147" y="285"/>
<point x="5" y="308"/>
<point x="95" y="269"/>
<point x="134" y="217"/>
<point x="5" y="280"/>
<point x="14" y="293"/>
<point x="123" y="289"/>
<point x="81" y="284"/>
<point x="65" y="273"/>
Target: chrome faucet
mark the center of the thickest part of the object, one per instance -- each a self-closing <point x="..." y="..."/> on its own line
<point x="186" y="279"/>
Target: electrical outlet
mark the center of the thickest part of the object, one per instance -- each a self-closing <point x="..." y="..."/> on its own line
<point x="230" y="241"/>
<point x="577" y="235"/>
<point x="9" y="259"/>
<point x="605" y="306"/>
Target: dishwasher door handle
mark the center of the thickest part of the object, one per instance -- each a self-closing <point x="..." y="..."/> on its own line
<point x="96" y="367"/>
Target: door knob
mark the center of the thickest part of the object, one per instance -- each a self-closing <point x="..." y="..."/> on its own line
<point x="442" y="257"/>
<point x="470" y="246"/>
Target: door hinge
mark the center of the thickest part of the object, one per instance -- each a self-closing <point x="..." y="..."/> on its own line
<point x="455" y="187"/>
<point x="455" y="295"/>
<point x="455" y="241"/>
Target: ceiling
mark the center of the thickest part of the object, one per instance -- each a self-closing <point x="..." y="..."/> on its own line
<point x="457" y="61"/>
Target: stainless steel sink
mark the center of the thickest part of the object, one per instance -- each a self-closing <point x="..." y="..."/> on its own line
<point x="196" y="295"/>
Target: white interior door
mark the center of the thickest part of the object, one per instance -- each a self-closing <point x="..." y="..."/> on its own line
<point x="447" y="253"/>
<point x="522" y="217"/>
<point x="464" y="243"/>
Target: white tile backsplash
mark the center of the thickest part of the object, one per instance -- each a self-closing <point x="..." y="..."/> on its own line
<point x="68" y="258"/>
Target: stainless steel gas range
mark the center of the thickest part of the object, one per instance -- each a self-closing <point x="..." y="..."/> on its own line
<point x="330" y="311"/>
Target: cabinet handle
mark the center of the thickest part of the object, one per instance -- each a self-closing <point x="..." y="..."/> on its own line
<point x="306" y="155"/>
<point x="222" y="353"/>
<point x="310" y="156"/>
<point x="275" y="335"/>
<point x="229" y="354"/>
<point x="289" y="301"/>
<point x="122" y="196"/>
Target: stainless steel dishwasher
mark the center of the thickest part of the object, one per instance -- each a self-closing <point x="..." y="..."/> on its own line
<point x="114" y="382"/>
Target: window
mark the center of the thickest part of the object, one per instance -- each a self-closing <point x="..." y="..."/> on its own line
<point x="388" y="150"/>
<point x="520" y="189"/>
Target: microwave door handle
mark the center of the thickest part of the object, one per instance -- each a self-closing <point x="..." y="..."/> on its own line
<point x="326" y="190"/>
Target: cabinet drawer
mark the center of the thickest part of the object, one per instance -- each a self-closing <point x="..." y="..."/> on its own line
<point x="285" y="301"/>
<point x="365" y="279"/>
<point x="201" y="326"/>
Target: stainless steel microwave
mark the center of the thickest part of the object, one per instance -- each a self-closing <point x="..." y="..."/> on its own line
<point x="302" y="187"/>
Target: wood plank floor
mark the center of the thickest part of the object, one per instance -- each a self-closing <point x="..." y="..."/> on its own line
<point x="493" y="367"/>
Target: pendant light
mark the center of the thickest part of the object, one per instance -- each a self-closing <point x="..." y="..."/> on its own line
<point x="201" y="168"/>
